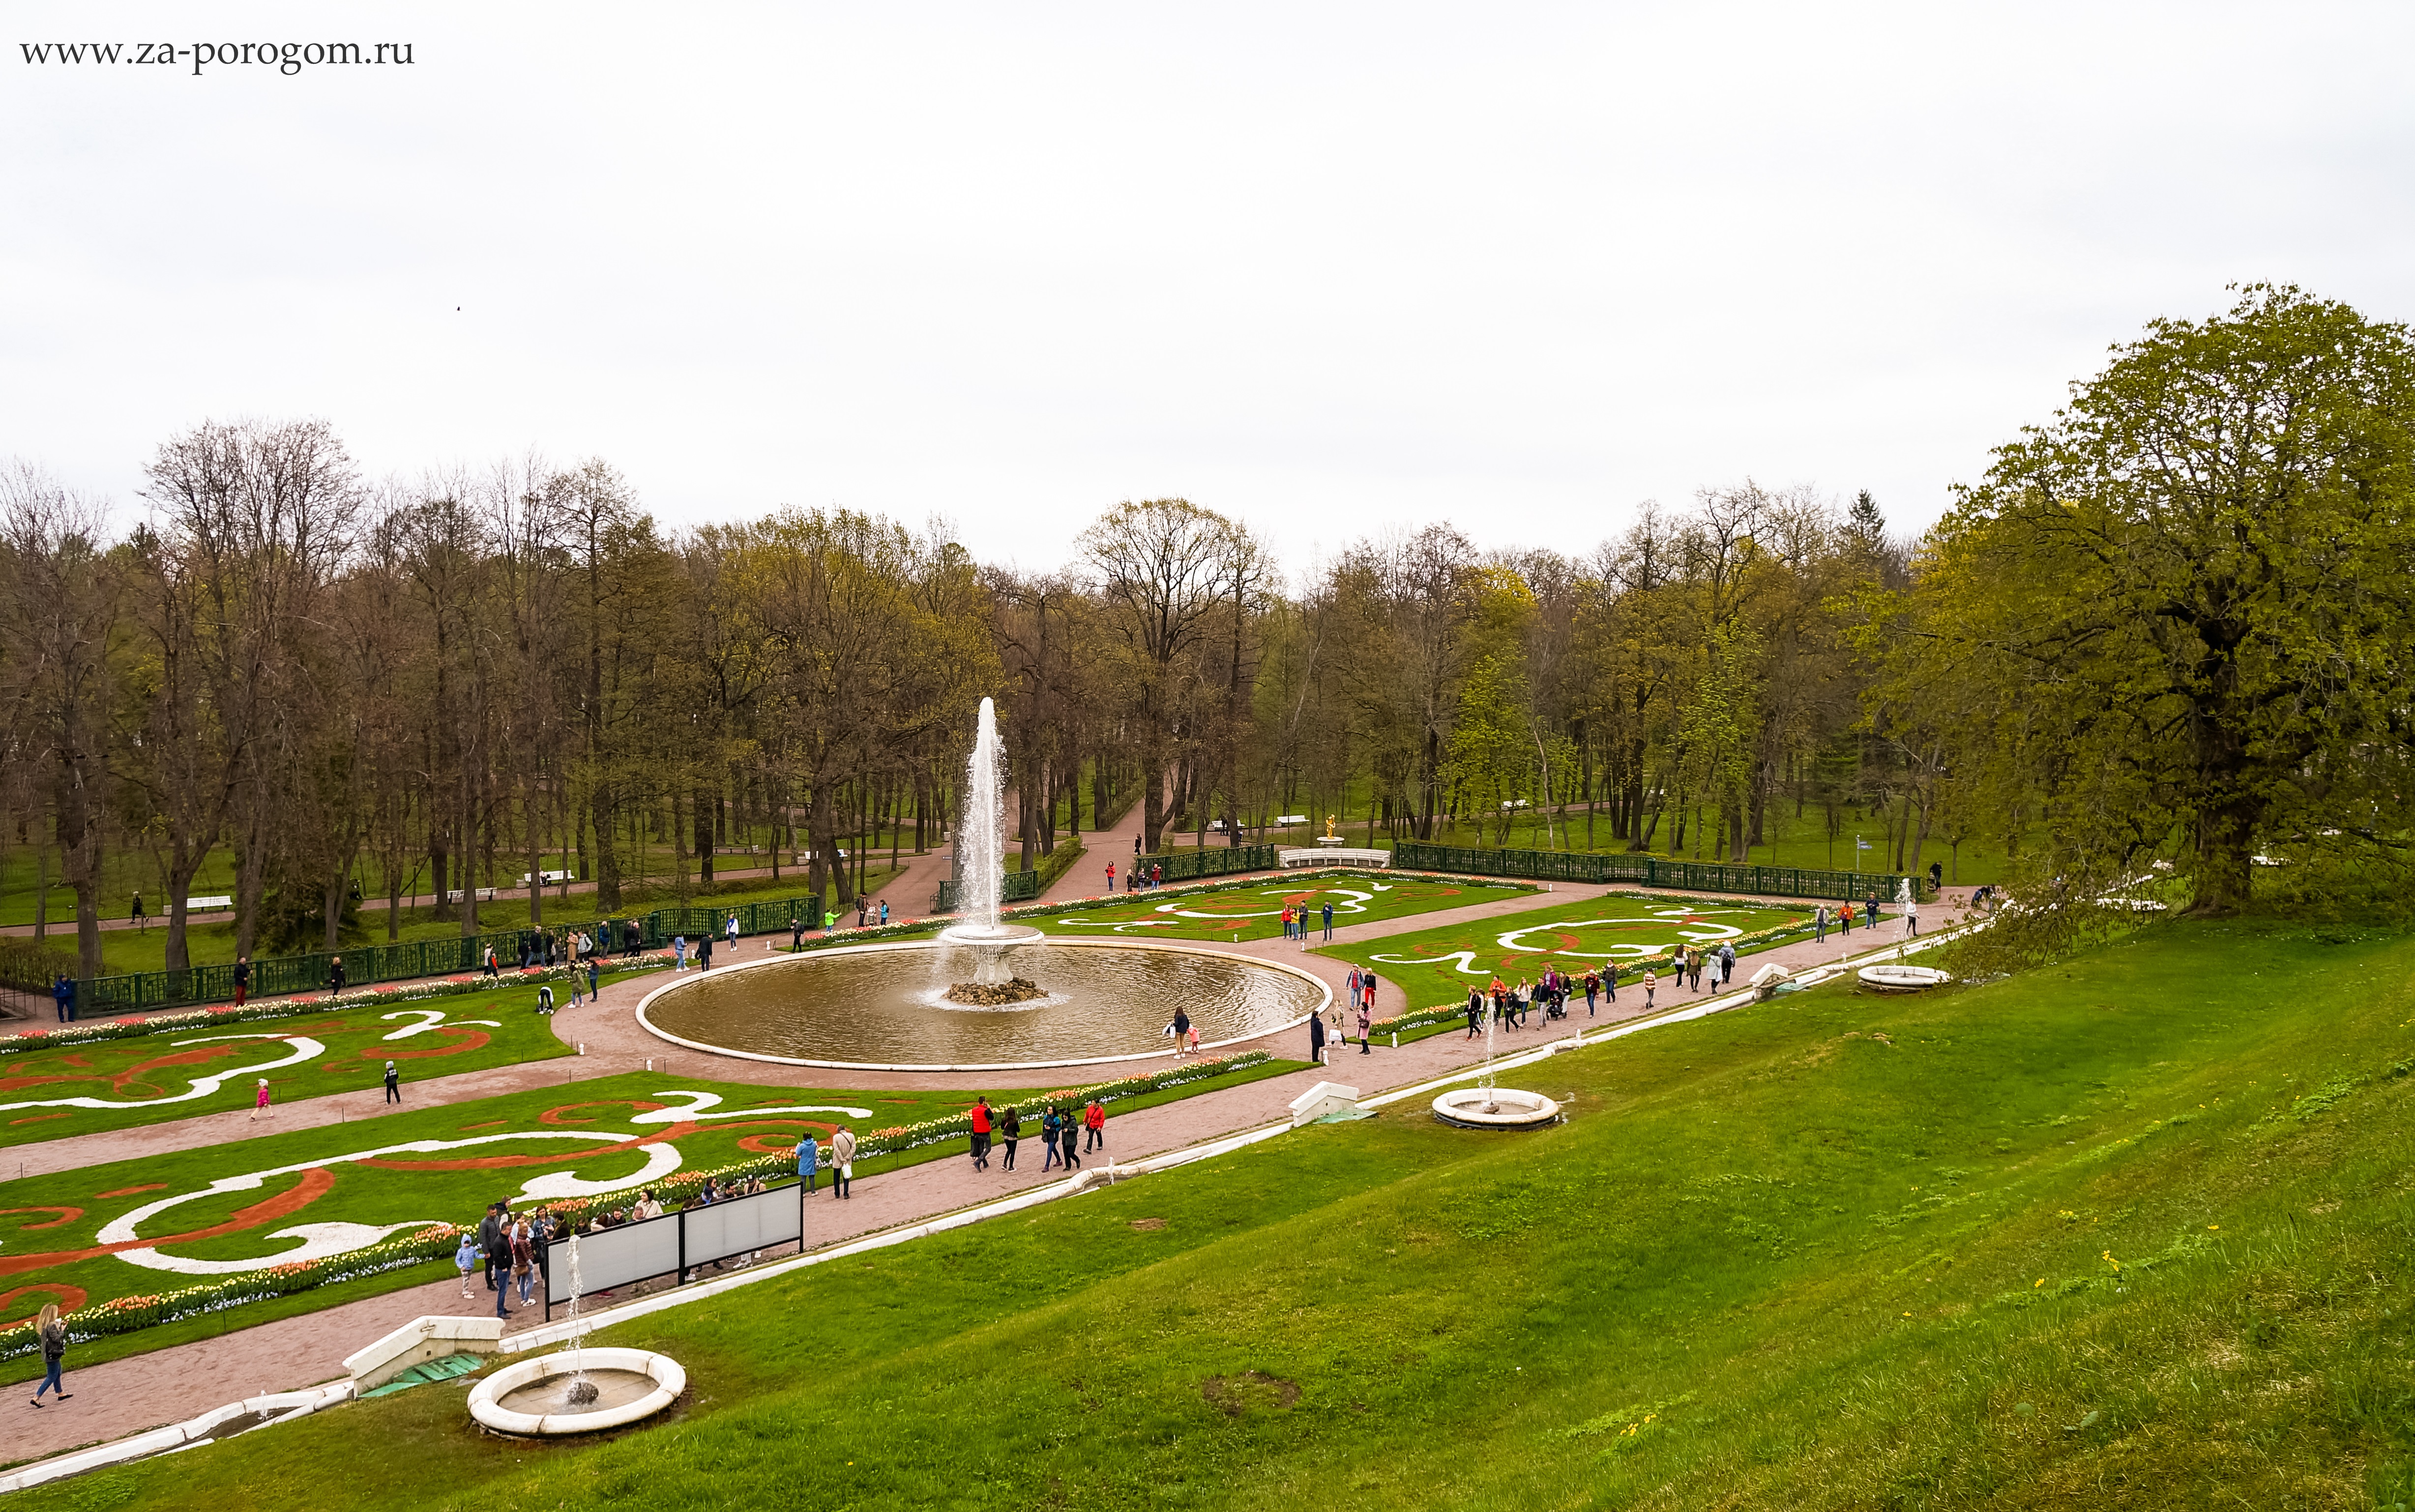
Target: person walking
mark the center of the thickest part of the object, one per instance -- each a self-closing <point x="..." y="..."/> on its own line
<point x="51" y="1330"/>
<point x="594" y="977"/>
<point x="465" y="1259"/>
<point x="1094" y="1121"/>
<point x="795" y="934"/>
<point x="1592" y="990"/>
<point x="1010" y="1129"/>
<point x="704" y="953"/>
<point x="335" y="974"/>
<point x="842" y="1161"/>
<point x="1610" y="981"/>
<point x="1181" y="1031"/>
<point x="1048" y="1141"/>
<point x="1845" y="920"/>
<point x="1366" y="984"/>
<point x="1316" y="1038"/>
<point x="1475" y="1012"/>
<point x="139" y="918"/>
<point x="1111" y="876"/>
<point x="393" y="1084"/>
<point x="243" y="977"/>
<point x="577" y="981"/>
<point x="1366" y="1028"/>
<point x="1328" y="919"/>
<point x="1727" y="964"/>
<point x="807" y="1157"/>
<point x="884" y="910"/>
<point x="1067" y="1134"/>
<point x="1912" y="919"/>
<point x="980" y="1132"/>
<point x="63" y="998"/>
<point x="731" y="929"/>
<point x="259" y="1101"/>
<point x="1820" y="925"/>
<point x="679" y="953"/>
<point x="1649" y="983"/>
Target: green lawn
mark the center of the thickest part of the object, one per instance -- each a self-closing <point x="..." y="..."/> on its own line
<point x="2126" y="1233"/>
<point x="1433" y="966"/>
<point x="1256" y="912"/>
<point x="524" y="1145"/>
<point x="154" y="1078"/>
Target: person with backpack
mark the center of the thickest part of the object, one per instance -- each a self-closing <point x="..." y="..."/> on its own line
<point x="1010" y="1129"/>
<point x="393" y="1084"/>
<point x="51" y="1330"/>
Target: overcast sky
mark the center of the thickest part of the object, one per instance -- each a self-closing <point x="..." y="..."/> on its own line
<point x="1331" y="269"/>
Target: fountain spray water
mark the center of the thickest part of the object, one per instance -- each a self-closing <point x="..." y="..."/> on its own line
<point x="984" y="824"/>
<point x="980" y="840"/>
<point x="582" y="1390"/>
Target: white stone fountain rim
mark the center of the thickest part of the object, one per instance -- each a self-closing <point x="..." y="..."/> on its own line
<point x="668" y="1376"/>
<point x="1324" y="998"/>
<point x="1889" y="976"/>
<point x="1532" y="1109"/>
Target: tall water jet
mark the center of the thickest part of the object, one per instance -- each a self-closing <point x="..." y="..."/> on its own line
<point x="983" y="826"/>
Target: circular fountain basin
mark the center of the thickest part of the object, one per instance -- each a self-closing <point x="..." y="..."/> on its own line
<point x="994" y="935"/>
<point x="884" y="1007"/>
<point x="1472" y="1107"/>
<point x="531" y="1399"/>
<point x="1901" y="979"/>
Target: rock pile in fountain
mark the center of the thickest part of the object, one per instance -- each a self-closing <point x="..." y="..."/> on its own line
<point x="995" y="994"/>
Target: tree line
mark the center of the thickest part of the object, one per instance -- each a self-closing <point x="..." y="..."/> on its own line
<point x="2171" y="625"/>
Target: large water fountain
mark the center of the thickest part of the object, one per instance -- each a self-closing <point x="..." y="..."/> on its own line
<point x="993" y="983"/>
<point x="984" y="995"/>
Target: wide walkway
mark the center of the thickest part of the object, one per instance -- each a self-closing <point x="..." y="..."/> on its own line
<point x="143" y="1391"/>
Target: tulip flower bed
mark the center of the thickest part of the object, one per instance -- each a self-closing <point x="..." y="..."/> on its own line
<point x="1252" y="909"/>
<point x="102" y="1240"/>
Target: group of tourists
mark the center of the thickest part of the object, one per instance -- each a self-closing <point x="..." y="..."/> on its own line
<point x="1060" y="1129"/>
<point x="1357" y="999"/>
<point x="1139" y="877"/>
<point x="1295" y="921"/>
<point x="512" y="1249"/>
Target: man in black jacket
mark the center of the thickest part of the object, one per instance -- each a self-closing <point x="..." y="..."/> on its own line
<point x="494" y="1241"/>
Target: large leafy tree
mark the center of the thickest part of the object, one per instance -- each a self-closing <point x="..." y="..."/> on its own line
<point x="2178" y="617"/>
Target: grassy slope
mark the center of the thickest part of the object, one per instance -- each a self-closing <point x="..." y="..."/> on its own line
<point x="1255" y="913"/>
<point x="1839" y="1251"/>
<point x="369" y="1195"/>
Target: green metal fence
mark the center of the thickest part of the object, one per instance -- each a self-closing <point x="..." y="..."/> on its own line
<point x="1649" y="871"/>
<point x="1212" y="860"/>
<point x="1021" y="886"/>
<point x="275" y="976"/>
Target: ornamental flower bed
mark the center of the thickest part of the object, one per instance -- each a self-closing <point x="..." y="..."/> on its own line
<point x="125" y="1315"/>
<point x="437" y="1241"/>
<point x="384" y="994"/>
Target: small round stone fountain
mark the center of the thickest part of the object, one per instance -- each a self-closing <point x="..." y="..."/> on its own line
<point x="579" y="1390"/>
<point x="1487" y="1106"/>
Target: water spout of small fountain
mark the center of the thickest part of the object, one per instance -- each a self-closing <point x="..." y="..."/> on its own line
<point x="581" y="1391"/>
<point x="1484" y="1082"/>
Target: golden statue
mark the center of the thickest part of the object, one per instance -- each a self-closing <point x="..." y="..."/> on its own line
<point x="1331" y="838"/>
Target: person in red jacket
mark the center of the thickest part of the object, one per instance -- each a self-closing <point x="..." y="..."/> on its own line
<point x="981" y="1133"/>
<point x="1094" y="1118"/>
